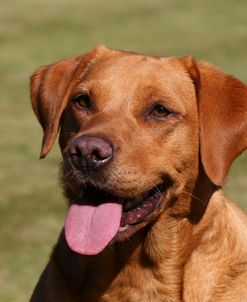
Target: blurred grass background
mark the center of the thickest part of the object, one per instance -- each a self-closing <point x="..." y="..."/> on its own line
<point x="34" y="33"/>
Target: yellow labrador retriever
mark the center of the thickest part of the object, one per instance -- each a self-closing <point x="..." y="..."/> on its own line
<point x="147" y="143"/>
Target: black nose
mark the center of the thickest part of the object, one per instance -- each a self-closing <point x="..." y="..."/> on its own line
<point x="90" y="152"/>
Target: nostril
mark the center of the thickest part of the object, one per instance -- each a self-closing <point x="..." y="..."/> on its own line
<point x="78" y="151"/>
<point x="96" y="155"/>
<point x="100" y="154"/>
<point x="75" y="151"/>
<point x="76" y="156"/>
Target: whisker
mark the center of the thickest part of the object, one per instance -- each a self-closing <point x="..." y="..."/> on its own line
<point x="195" y="197"/>
<point x="155" y="186"/>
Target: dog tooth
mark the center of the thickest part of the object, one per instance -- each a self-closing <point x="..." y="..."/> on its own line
<point x="124" y="228"/>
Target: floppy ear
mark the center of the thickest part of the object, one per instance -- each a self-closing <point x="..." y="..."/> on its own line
<point x="222" y="103"/>
<point x="50" y="86"/>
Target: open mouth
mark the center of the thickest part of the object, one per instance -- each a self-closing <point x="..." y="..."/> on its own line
<point x="98" y="218"/>
<point x="136" y="210"/>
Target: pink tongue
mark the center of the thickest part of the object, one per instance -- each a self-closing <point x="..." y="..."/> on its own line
<point x="88" y="228"/>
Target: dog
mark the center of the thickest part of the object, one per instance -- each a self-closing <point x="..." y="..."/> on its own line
<point x="147" y="143"/>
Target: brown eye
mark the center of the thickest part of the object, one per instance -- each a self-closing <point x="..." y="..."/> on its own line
<point x="159" y="111"/>
<point x="82" y="101"/>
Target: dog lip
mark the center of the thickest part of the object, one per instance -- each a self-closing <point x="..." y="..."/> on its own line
<point x="132" y="203"/>
<point x="141" y="207"/>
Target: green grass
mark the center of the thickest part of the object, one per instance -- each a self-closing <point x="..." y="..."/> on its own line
<point x="34" y="33"/>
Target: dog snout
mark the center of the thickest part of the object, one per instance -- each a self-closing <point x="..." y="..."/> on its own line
<point x="91" y="152"/>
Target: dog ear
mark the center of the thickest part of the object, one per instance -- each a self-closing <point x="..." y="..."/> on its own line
<point x="48" y="95"/>
<point x="50" y="86"/>
<point x="222" y="103"/>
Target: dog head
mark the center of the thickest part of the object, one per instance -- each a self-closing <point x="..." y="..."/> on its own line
<point x="133" y="130"/>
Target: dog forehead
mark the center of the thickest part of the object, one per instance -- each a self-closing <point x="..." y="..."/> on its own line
<point x="126" y="75"/>
<point x="129" y="67"/>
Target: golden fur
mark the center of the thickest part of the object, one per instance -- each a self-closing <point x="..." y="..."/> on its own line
<point x="194" y="247"/>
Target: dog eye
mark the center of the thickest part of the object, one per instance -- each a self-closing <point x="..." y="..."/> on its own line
<point x="159" y="111"/>
<point x="82" y="101"/>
